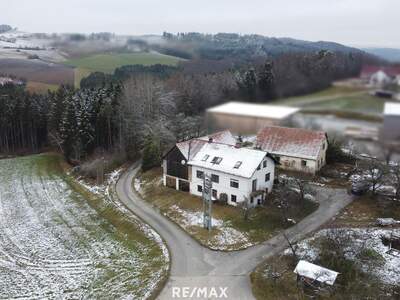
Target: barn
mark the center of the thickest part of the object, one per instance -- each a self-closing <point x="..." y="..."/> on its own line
<point x="246" y="118"/>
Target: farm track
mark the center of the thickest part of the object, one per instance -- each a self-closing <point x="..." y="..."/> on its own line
<point x="54" y="245"/>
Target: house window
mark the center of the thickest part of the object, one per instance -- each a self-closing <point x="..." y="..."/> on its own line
<point x="200" y="174"/>
<point x="254" y="185"/>
<point x="259" y="167"/>
<point x="200" y="188"/>
<point x="233" y="198"/>
<point x="214" y="178"/>
<point x="235" y="183"/>
<point x="264" y="164"/>
<point x="216" y="160"/>
<point x="237" y="165"/>
<point x="214" y="194"/>
<point x="267" y="177"/>
<point x="303" y="163"/>
<point x="205" y="157"/>
<point x="251" y="200"/>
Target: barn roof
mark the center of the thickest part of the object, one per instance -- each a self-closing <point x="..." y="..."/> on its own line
<point x="230" y="157"/>
<point x="314" y="272"/>
<point x="254" y="110"/>
<point x="295" y="142"/>
<point x="191" y="147"/>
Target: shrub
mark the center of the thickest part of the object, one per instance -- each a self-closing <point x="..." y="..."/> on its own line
<point x="335" y="153"/>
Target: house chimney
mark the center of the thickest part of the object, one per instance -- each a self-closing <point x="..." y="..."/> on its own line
<point x="210" y="140"/>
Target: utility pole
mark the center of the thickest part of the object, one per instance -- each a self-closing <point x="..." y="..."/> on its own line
<point x="207" y="201"/>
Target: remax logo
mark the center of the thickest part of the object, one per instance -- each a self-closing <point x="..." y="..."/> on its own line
<point x="199" y="292"/>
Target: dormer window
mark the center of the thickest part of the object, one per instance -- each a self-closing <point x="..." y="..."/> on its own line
<point x="205" y="157"/>
<point x="216" y="160"/>
<point x="237" y="165"/>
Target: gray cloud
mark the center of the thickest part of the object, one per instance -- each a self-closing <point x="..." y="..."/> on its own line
<point x="352" y="22"/>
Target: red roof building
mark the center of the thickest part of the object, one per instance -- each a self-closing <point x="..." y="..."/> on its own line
<point x="368" y="71"/>
<point x="296" y="148"/>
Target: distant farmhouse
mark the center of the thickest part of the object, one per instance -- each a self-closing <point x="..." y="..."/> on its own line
<point x="295" y="148"/>
<point x="8" y="80"/>
<point x="246" y="118"/>
<point x="378" y="77"/>
<point x="237" y="174"/>
<point x="390" y="134"/>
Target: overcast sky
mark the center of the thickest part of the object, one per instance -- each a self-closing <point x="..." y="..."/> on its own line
<point x="352" y="22"/>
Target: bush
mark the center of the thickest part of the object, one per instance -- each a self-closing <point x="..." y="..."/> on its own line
<point x="335" y="153"/>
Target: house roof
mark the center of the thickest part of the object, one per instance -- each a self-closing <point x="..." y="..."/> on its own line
<point x="254" y="110"/>
<point x="295" y="142"/>
<point x="191" y="147"/>
<point x="231" y="155"/>
<point x="314" y="272"/>
<point x="392" y="109"/>
<point x="392" y="71"/>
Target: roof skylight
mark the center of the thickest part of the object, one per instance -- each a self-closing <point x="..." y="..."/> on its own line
<point x="237" y="165"/>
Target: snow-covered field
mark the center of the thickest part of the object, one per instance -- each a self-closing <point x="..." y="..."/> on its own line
<point x="53" y="244"/>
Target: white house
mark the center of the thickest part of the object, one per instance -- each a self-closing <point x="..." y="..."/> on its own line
<point x="379" y="79"/>
<point x="237" y="174"/>
<point x="295" y="148"/>
<point x="175" y="166"/>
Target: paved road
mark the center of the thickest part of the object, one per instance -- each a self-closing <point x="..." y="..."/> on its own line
<point x="193" y="265"/>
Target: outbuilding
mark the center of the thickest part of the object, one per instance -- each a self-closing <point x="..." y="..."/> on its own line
<point x="295" y="149"/>
<point x="246" y="118"/>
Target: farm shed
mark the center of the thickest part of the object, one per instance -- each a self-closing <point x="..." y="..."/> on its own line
<point x="296" y="149"/>
<point x="310" y="273"/>
<point x="246" y="118"/>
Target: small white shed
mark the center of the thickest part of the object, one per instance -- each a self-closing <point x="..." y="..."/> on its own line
<point x="312" y="272"/>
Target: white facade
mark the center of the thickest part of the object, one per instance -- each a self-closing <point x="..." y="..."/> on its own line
<point x="245" y="185"/>
<point x="304" y="164"/>
<point x="379" y="79"/>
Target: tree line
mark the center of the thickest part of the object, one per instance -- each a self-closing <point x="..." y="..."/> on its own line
<point x="154" y="106"/>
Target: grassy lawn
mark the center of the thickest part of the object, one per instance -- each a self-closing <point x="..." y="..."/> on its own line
<point x="336" y="100"/>
<point x="231" y="230"/>
<point x="331" y="92"/>
<point x="40" y="87"/>
<point x="364" y="211"/>
<point x="81" y="243"/>
<point x="107" y="63"/>
<point x="79" y="74"/>
<point x="363" y="103"/>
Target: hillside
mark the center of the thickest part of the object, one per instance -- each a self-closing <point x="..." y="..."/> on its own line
<point x="223" y="45"/>
<point x="389" y="54"/>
